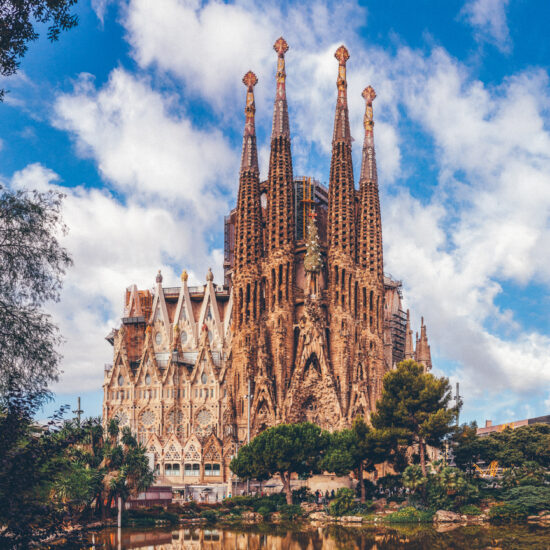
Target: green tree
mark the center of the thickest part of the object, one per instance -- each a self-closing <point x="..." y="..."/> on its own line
<point x="468" y="447"/>
<point x="283" y="450"/>
<point x="413" y="478"/>
<point x="120" y="462"/>
<point x="417" y="404"/>
<point x="513" y="448"/>
<point x="101" y="465"/>
<point x="17" y="28"/>
<point x="32" y="266"/>
<point x="31" y="457"/>
<point x="357" y="450"/>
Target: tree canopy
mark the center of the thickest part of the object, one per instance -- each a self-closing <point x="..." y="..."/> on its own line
<point x="17" y="28"/>
<point x="284" y="449"/>
<point x="50" y="477"/>
<point x="417" y="404"/>
<point x="358" y="449"/>
<point x="32" y="265"/>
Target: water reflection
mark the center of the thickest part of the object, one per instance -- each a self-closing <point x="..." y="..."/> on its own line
<point x="327" y="538"/>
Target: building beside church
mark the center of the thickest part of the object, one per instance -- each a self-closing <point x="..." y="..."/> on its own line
<point x="304" y="326"/>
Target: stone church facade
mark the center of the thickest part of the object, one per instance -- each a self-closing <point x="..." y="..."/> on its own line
<point x="304" y="326"/>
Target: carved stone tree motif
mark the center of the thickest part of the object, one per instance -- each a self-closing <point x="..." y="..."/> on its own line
<point x="312" y="395"/>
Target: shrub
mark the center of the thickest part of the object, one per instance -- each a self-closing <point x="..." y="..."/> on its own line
<point x="303" y="494"/>
<point x="343" y="503"/>
<point x="290" y="512"/>
<point x="470" y="510"/>
<point x="533" y="499"/>
<point x="265" y="511"/>
<point x="209" y="515"/>
<point x="507" y="513"/>
<point x="362" y="508"/>
<point x="410" y="514"/>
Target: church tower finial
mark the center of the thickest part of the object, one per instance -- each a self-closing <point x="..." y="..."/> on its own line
<point x="341" y="122"/>
<point x="249" y="158"/>
<point x="370" y="224"/>
<point x="280" y="113"/>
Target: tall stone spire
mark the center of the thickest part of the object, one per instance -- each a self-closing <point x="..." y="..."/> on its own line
<point x="280" y="195"/>
<point x="249" y="157"/>
<point x="369" y="255"/>
<point x="423" y="352"/>
<point x="247" y="270"/>
<point x="279" y="267"/>
<point x="341" y="211"/>
<point x="280" y="113"/>
<point x="248" y="234"/>
<point x="409" y="346"/>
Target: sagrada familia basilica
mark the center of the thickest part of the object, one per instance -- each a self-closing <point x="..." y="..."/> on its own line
<point x="304" y="326"/>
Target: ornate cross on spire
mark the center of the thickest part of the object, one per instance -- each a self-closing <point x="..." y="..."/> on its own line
<point x="249" y="159"/>
<point x="281" y="47"/>
<point x="342" y="55"/>
<point x="250" y="80"/>
<point x="368" y="165"/>
<point x="369" y="94"/>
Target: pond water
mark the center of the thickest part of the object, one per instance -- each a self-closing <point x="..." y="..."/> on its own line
<point x="330" y="537"/>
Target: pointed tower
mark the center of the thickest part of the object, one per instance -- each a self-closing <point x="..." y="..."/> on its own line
<point x="341" y="208"/>
<point x="423" y="354"/>
<point x="248" y="234"/>
<point x="248" y="253"/>
<point x="279" y="272"/>
<point x="341" y="237"/>
<point x="409" y="346"/>
<point x="370" y="272"/>
<point x="369" y="254"/>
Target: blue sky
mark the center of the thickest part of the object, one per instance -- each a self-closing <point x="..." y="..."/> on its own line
<point x="138" y="114"/>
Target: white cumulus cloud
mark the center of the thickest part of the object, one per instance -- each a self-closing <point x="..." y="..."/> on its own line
<point x="489" y="22"/>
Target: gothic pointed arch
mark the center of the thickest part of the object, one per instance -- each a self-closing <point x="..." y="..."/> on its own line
<point x="312" y="394"/>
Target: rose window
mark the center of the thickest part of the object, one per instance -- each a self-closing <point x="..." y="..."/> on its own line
<point x="147" y="418"/>
<point x="204" y="418"/>
<point x="122" y="418"/>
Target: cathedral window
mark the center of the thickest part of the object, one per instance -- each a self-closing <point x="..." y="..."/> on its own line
<point x="211" y="392"/>
<point x="148" y="380"/>
<point x="158" y="338"/>
<point x="212" y="469"/>
<point x="191" y="469"/>
<point x="172" y="469"/>
<point x="121" y="380"/>
<point x="183" y="338"/>
<point x="203" y="378"/>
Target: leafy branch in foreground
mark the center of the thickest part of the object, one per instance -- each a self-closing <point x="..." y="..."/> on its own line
<point x="17" y="28"/>
<point x="32" y="266"/>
